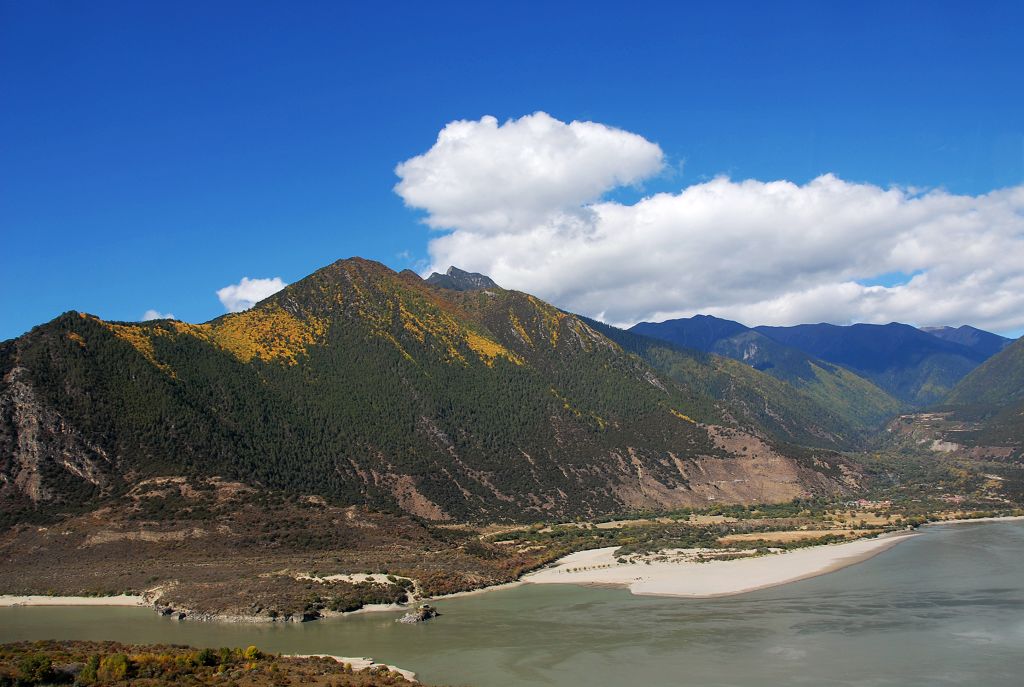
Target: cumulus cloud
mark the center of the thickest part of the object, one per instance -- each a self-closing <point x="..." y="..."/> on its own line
<point x="491" y="178"/>
<point x="760" y="252"/>
<point x="248" y="292"/>
<point x="157" y="315"/>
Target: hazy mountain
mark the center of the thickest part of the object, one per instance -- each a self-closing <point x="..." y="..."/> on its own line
<point x="859" y="405"/>
<point x="914" y="366"/>
<point x="986" y="343"/>
<point x="701" y="332"/>
<point x="364" y="386"/>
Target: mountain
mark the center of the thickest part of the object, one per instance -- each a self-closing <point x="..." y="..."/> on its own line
<point x="700" y="332"/>
<point x="359" y="385"/>
<point x="757" y="399"/>
<point x="983" y="416"/>
<point x="858" y="404"/>
<point x="999" y="381"/>
<point x="459" y="280"/>
<point x="985" y="343"/>
<point x="911" y="365"/>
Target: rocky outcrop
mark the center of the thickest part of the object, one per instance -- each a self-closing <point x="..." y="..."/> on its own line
<point x="460" y="280"/>
<point x="38" y="446"/>
<point x="423" y="613"/>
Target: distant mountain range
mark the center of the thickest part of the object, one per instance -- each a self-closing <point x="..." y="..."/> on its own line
<point x="918" y="367"/>
<point x="985" y="343"/>
<point x="804" y="401"/>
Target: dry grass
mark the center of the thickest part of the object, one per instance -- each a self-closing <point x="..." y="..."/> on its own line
<point x="790" y="535"/>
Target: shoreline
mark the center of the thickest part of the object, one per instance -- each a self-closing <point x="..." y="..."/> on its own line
<point x="712" y="579"/>
<point x="823" y="562"/>
<point x="14" y="600"/>
<point x="482" y="590"/>
<point x="967" y="521"/>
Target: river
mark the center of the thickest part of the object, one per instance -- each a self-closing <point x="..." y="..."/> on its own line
<point x="946" y="608"/>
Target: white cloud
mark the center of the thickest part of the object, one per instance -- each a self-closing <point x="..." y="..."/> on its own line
<point x="157" y="315"/>
<point x="248" y="292"/>
<point x="760" y="252"/>
<point x="490" y="178"/>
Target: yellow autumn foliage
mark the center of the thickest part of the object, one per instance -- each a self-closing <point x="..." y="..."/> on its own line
<point x="140" y="338"/>
<point x="489" y="350"/>
<point x="551" y="318"/>
<point x="679" y="415"/>
<point x="517" y="326"/>
<point x="268" y="333"/>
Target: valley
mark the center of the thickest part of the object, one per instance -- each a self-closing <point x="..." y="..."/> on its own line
<point x="368" y="439"/>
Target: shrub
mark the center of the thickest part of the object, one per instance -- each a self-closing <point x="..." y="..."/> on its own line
<point x="113" y="668"/>
<point x="34" y="669"/>
<point x="207" y="657"/>
<point x="87" y="675"/>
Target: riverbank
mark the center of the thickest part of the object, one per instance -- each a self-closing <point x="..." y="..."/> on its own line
<point x="944" y="604"/>
<point x="599" y="567"/>
<point x="711" y="578"/>
<point x="964" y="521"/>
<point x="43" y="600"/>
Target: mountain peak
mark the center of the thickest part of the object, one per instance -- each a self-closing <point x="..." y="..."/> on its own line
<point x="976" y="339"/>
<point x="460" y="280"/>
<point x="700" y="332"/>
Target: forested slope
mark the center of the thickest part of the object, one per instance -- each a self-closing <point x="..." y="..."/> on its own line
<point x="366" y="386"/>
<point x="855" y="405"/>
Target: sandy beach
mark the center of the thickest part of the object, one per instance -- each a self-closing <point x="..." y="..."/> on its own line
<point x="713" y="578"/>
<point x="42" y="600"/>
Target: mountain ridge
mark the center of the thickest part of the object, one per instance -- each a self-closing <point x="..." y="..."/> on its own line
<point x="916" y="366"/>
<point x="984" y="342"/>
<point x="863" y="406"/>
<point x="366" y="386"/>
<point x="460" y="280"/>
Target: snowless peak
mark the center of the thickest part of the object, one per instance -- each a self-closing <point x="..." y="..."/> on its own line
<point x="460" y="280"/>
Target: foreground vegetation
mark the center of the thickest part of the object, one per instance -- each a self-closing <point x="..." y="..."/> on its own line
<point x="98" y="664"/>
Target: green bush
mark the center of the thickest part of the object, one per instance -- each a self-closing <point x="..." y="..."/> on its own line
<point x="87" y="675"/>
<point x="35" y="669"/>
<point x="207" y="657"/>
<point x="113" y="668"/>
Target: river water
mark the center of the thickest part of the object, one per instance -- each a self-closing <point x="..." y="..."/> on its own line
<point x="946" y="608"/>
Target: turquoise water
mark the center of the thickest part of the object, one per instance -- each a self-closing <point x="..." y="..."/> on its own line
<point x="946" y="608"/>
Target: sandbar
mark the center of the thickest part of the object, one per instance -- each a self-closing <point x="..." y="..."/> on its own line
<point x="711" y="578"/>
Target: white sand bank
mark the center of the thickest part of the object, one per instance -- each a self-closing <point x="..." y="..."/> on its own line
<point x="353" y="578"/>
<point x="41" y="600"/>
<point x="713" y="578"/>
<point x="360" y="663"/>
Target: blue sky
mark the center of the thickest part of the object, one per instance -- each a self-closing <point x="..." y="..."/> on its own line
<point x="152" y="153"/>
